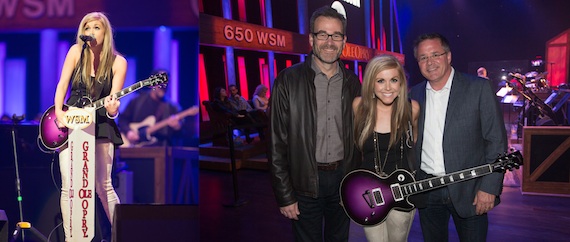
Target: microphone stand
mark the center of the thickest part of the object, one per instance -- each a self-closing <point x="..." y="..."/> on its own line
<point x="534" y="100"/>
<point x="80" y="102"/>
<point x="237" y="202"/>
<point x="21" y="225"/>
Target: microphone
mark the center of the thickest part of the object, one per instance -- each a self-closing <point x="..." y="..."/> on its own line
<point x="86" y="37"/>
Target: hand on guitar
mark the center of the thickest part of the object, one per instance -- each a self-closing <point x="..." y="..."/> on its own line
<point x="59" y="121"/>
<point x="484" y="202"/>
<point x="291" y="211"/>
<point x="133" y="137"/>
<point x="112" y="103"/>
<point x="174" y="122"/>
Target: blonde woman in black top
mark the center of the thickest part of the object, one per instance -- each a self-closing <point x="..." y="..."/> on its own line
<point x="385" y="122"/>
<point x="101" y="72"/>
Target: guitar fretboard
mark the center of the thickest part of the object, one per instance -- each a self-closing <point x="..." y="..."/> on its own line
<point x="101" y="102"/>
<point x="436" y="182"/>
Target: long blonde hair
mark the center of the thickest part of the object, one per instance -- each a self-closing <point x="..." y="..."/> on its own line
<point x="365" y="116"/>
<point x="107" y="57"/>
<point x="259" y="89"/>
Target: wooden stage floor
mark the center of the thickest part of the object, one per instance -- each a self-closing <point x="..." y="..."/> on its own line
<point x="518" y="217"/>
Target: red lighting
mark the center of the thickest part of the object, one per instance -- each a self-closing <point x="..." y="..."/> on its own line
<point x="203" y="87"/>
<point x="262" y="8"/>
<point x="264" y="74"/>
<point x="262" y="68"/>
<point x="241" y="11"/>
<point x="360" y="73"/>
<point x="242" y="77"/>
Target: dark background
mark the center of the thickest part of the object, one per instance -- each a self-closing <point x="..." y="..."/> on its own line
<point x="483" y="30"/>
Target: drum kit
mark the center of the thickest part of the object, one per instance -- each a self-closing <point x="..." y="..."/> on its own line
<point x="534" y="87"/>
<point x="537" y="82"/>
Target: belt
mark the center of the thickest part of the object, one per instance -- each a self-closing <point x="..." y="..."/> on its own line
<point x="328" y="166"/>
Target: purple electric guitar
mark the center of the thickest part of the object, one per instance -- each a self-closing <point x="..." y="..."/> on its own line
<point x="53" y="137"/>
<point x="367" y="198"/>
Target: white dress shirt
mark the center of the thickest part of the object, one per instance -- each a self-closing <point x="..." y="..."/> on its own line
<point x="436" y="110"/>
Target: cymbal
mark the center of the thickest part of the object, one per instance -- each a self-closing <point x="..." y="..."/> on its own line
<point x="541" y="75"/>
<point x="531" y="74"/>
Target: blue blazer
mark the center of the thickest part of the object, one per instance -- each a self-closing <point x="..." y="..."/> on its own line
<point x="474" y="134"/>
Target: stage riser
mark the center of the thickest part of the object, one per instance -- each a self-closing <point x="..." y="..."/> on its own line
<point x="546" y="156"/>
<point x="153" y="222"/>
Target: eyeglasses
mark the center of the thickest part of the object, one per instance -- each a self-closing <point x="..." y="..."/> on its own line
<point x="325" y="36"/>
<point x="434" y="56"/>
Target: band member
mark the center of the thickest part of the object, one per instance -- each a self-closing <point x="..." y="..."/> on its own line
<point x="142" y="114"/>
<point x="94" y="72"/>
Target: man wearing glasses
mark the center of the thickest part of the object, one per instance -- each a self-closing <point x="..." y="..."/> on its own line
<point x="312" y="145"/>
<point x="460" y="126"/>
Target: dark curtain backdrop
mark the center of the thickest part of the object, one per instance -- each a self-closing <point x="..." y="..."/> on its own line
<point x="483" y="30"/>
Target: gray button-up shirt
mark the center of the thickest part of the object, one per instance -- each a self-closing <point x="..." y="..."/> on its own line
<point x="329" y="146"/>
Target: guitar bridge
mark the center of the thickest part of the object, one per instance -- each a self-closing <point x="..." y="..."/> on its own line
<point x="374" y="197"/>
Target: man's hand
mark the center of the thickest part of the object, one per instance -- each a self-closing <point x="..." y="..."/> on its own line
<point x="133" y="136"/>
<point x="290" y="211"/>
<point x="174" y="122"/>
<point x="484" y="202"/>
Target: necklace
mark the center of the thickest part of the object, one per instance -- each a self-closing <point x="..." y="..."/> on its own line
<point x="380" y="167"/>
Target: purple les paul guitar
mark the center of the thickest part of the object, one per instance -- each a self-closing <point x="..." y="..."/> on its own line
<point x="367" y="198"/>
<point x="53" y="137"/>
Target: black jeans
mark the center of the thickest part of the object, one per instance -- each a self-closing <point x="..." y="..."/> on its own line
<point x="434" y="220"/>
<point x="309" y="227"/>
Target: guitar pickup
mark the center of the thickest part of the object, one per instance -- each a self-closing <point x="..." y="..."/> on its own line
<point x="397" y="192"/>
<point x="374" y="197"/>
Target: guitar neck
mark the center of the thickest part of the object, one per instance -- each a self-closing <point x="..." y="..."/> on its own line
<point x="101" y="102"/>
<point x="441" y="181"/>
<point x="157" y="126"/>
<point x="190" y="111"/>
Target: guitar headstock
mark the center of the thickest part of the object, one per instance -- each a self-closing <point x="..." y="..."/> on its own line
<point x="509" y="161"/>
<point x="156" y="80"/>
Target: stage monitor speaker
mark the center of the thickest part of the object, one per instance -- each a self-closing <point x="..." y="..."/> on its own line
<point x="3" y="226"/>
<point x="156" y="222"/>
